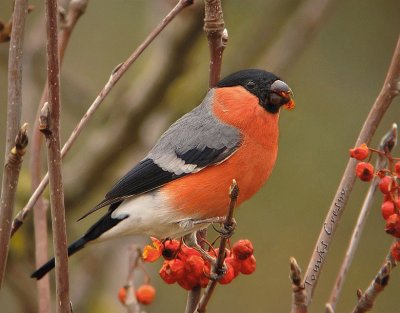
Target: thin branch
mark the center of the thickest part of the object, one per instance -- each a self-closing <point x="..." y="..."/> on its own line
<point x="116" y="74"/>
<point x="50" y="126"/>
<point x="217" y="36"/>
<point x="388" y="142"/>
<point x="131" y="303"/>
<point x="218" y="267"/>
<point x="12" y="159"/>
<point x="298" y="292"/>
<point x="75" y="10"/>
<point x="366" y="300"/>
<point x="295" y="35"/>
<point x="389" y="90"/>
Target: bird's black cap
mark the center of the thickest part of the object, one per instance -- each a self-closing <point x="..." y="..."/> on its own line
<point x="258" y="82"/>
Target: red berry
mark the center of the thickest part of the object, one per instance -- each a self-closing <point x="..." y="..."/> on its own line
<point x="235" y="263"/>
<point x="397" y="168"/>
<point x="145" y="294"/>
<point x="387" y="209"/>
<point x="188" y="282"/>
<point x="204" y="277"/>
<point x="397" y="203"/>
<point x="122" y="295"/>
<point x="243" y="249"/>
<point x="386" y="184"/>
<point x="248" y="266"/>
<point x="170" y="249"/>
<point x="393" y="225"/>
<point x="228" y="276"/>
<point x="186" y="252"/>
<point x="172" y="271"/>
<point x="395" y="250"/>
<point x="194" y="265"/>
<point x="365" y="171"/>
<point x="360" y="153"/>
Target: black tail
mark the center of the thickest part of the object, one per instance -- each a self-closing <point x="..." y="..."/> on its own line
<point x="102" y="225"/>
<point x="47" y="267"/>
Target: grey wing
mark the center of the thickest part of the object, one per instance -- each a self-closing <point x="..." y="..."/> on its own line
<point x="195" y="141"/>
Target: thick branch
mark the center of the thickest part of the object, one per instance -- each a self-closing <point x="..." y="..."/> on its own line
<point x="50" y="126"/>
<point x="116" y="74"/>
<point x="218" y="268"/>
<point x="217" y="36"/>
<point x="11" y="165"/>
<point x="388" y="142"/>
<point x="389" y="90"/>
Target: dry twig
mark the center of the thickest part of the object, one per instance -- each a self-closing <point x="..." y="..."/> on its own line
<point x="217" y="36"/>
<point x="218" y="268"/>
<point x="131" y="303"/>
<point x="50" y="127"/>
<point x="388" y="142"/>
<point x="75" y="10"/>
<point x="366" y="300"/>
<point x="12" y="159"/>
<point x="116" y="74"/>
<point x="389" y="90"/>
<point x="298" y="292"/>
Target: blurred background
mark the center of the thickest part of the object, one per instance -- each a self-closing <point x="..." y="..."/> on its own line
<point x="335" y="75"/>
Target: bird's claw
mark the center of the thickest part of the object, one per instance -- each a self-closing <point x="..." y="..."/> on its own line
<point x="226" y="231"/>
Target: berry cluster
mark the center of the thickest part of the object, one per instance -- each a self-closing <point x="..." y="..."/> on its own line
<point x="186" y="266"/>
<point x="389" y="186"/>
<point x="144" y="294"/>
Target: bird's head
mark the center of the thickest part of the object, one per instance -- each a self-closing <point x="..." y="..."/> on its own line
<point x="272" y="92"/>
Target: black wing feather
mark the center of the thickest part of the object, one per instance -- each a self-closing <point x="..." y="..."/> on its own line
<point x="204" y="157"/>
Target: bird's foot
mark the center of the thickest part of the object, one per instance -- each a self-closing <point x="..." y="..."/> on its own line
<point x="226" y="231"/>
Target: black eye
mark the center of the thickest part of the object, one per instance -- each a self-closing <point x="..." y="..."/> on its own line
<point x="250" y="85"/>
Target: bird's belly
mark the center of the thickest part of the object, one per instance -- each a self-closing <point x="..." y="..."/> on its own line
<point x="206" y="193"/>
<point x="148" y="214"/>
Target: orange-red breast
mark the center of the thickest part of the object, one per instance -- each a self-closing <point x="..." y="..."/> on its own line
<point x="232" y="134"/>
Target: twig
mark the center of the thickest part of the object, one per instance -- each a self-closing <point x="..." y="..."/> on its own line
<point x="12" y="159"/>
<point x="366" y="300"/>
<point x="116" y="74"/>
<point x="217" y="35"/>
<point x="388" y="142"/>
<point x="389" y="90"/>
<point x="295" y="35"/>
<point x="50" y="127"/>
<point x="131" y="303"/>
<point x="298" y="292"/>
<point x="217" y="269"/>
<point x="75" y="10"/>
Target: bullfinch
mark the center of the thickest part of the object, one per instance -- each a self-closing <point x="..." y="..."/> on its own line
<point x="232" y="134"/>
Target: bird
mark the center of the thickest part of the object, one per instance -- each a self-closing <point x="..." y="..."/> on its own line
<point x="183" y="180"/>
